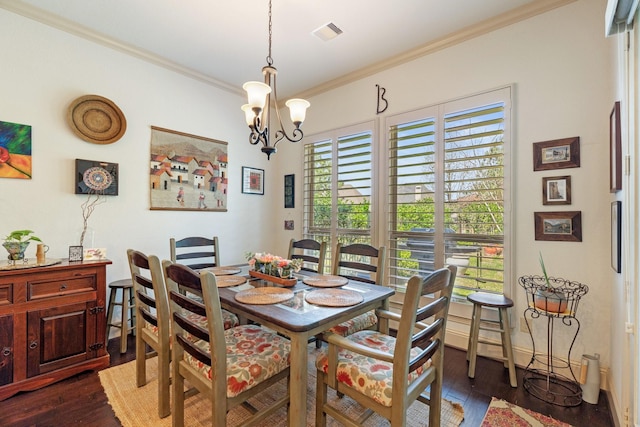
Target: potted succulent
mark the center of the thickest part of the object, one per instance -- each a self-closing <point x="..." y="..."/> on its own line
<point x="17" y="242"/>
<point x="549" y="298"/>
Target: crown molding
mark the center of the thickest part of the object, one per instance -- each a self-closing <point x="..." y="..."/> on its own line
<point x="67" y="26"/>
<point x="520" y="14"/>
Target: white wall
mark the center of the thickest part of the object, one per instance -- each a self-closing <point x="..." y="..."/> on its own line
<point x="561" y="66"/>
<point x="43" y="70"/>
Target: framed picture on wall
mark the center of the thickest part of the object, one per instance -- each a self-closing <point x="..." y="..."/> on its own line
<point x="187" y="172"/>
<point x="556" y="154"/>
<point x="289" y="191"/>
<point x="615" y="149"/>
<point x="96" y="177"/>
<point x="252" y="180"/>
<point x="558" y="226"/>
<point x="556" y="190"/>
<point x="616" y="236"/>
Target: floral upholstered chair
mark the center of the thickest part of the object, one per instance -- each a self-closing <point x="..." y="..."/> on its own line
<point x="387" y="374"/>
<point x="153" y="324"/>
<point x="228" y="366"/>
<point x="362" y="263"/>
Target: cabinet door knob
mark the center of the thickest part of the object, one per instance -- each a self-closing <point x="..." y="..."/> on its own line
<point x="6" y="352"/>
<point x="63" y="287"/>
<point x="33" y="345"/>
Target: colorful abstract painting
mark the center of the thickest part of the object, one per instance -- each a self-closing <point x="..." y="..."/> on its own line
<point x="15" y="150"/>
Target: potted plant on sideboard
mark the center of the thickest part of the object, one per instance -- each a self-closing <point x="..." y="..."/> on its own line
<point x="17" y="242"/>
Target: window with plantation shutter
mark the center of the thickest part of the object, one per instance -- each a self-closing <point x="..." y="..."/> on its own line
<point x="446" y="191"/>
<point x="338" y="186"/>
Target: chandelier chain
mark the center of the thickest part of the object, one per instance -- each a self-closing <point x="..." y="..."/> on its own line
<point x="258" y="111"/>
<point x="269" y="58"/>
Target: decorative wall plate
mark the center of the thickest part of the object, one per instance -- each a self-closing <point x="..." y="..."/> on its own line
<point x="96" y="119"/>
<point x="95" y="177"/>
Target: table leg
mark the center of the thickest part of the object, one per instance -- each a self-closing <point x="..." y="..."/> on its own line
<point x="298" y="381"/>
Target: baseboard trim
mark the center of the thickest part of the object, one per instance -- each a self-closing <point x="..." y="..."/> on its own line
<point x="522" y="356"/>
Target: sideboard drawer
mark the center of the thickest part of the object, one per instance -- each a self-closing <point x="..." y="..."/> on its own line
<point x="6" y="293"/>
<point x="62" y="286"/>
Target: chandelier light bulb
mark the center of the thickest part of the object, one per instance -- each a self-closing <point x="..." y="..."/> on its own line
<point x="298" y="110"/>
<point x="257" y="93"/>
<point x="249" y="115"/>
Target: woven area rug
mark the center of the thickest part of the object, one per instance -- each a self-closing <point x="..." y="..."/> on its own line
<point x="502" y="413"/>
<point x="137" y="407"/>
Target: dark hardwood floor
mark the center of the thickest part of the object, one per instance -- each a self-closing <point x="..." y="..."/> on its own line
<point x="80" y="400"/>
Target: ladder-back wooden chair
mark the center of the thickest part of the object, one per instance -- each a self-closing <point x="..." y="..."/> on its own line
<point x="195" y="252"/>
<point x="311" y="252"/>
<point x="364" y="263"/>
<point x="218" y="362"/>
<point x="386" y="374"/>
<point x="152" y="323"/>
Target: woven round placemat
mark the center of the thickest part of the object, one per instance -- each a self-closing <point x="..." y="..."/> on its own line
<point x="264" y="295"/>
<point x="334" y="297"/>
<point x="228" y="281"/>
<point x="325" y="281"/>
<point x="223" y="271"/>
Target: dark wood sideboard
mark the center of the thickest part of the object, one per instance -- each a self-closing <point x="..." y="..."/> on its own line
<point x="52" y="324"/>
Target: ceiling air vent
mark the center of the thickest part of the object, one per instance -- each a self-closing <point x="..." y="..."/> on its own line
<point x="327" y="32"/>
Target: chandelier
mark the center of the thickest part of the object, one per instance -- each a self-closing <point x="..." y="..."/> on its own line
<point x="258" y="109"/>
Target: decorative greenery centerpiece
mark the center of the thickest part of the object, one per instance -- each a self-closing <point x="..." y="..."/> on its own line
<point x="273" y="265"/>
<point x="17" y="242"/>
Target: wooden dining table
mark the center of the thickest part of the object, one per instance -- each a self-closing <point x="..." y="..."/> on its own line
<point x="299" y="321"/>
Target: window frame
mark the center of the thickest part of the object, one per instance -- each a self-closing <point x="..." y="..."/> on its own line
<point x="380" y="204"/>
<point x="332" y="137"/>
<point x="439" y="111"/>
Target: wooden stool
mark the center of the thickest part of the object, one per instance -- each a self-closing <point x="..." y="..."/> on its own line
<point x="128" y="310"/>
<point x="483" y="299"/>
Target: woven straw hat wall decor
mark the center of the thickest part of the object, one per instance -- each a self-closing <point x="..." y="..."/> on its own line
<point x="96" y="119"/>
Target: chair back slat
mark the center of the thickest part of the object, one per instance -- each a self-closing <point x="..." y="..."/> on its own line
<point x="204" y="249"/>
<point x="425" y="355"/>
<point x="148" y="317"/>
<point x="188" y="304"/>
<point x="431" y="309"/>
<point x="194" y="351"/>
<point x="143" y="281"/>
<point x="140" y="260"/>
<point x="360" y="249"/>
<point x="146" y="299"/>
<point x="194" y="255"/>
<point x="184" y="309"/>
<point x="360" y="262"/>
<point x="313" y="254"/>
<point x="354" y="265"/>
<point x="193" y="241"/>
<point x="149" y="289"/>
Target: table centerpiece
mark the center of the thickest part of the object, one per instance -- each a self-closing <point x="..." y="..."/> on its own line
<point x="273" y="268"/>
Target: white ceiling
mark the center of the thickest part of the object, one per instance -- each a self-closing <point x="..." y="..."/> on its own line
<point x="225" y="42"/>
